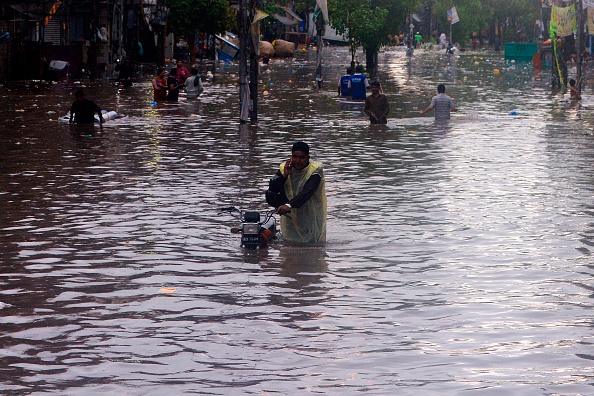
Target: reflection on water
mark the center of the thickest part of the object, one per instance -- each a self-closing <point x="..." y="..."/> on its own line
<point x="458" y="257"/>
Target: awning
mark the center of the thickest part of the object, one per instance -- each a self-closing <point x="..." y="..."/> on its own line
<point x="292" y="13"/>
<point x="285" y="20"/>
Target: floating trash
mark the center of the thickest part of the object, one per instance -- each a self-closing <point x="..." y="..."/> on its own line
<point x="167" y="289"/>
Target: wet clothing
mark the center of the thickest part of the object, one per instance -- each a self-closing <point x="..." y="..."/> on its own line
<point x="359" y="84"/>
<point x="305" y="191"/>
<point x="442" y="105"/>
<point x="379" y="106"/>
<point x="173" y="89"/>
<point x="345" y="85"/>
<point x="194" y="87"/>
<point x="84" y="111"/>
<point x="160" y="94"/>
<point x="182" y="74"/>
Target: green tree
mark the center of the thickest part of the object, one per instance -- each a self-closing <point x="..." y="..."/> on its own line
<point x="368" y="23"/>
<point x="187" y="17"/>
<point x="359" y="23"/>
<point x="474" y="17"/>
<point x="515" y="17"/>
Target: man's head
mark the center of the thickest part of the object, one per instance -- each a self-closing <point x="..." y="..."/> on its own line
<point x="194" y="71"/>
<point x="180" y="64"/>
<point x="300" y="155"/>
<point x="441" y="88"/>
<point x="173" y="72"/>
<point x="359" y="69"/>
<point x="79" y="94"/>
<point x="161" y="72"/>
<point x="349" y="70"/>
<point x="375" y="87"/>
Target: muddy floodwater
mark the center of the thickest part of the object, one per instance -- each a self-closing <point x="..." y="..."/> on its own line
<point x="458" y="258"/>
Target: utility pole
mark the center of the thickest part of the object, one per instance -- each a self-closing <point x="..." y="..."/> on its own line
<point x="580" y="28"/>
<point x="244" y="89"/>
<point x="254" y="54"/>
<point x="320" y="30"/>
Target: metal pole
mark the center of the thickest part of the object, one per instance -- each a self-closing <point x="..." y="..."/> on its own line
<point x="254" y="54"/>
<point x="320" y="27"/>
<point x="580" y="29"/>
<point x="244" y="95"/>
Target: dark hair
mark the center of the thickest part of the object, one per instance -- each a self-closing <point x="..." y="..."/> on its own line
<point x="79" y="93"/>
<point x="173" y="71"/>
<point x="349" y="70"/>
<point x="301" y="146"/>
<point x="160" y="70"/>
<point x="441" y="88"/>
<point x="375" y="84"/>
<point x="571" y="82"/>
<point x="194" y="71"/>
<point x="359" y="69"/>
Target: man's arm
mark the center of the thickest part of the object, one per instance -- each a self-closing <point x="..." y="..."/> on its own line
<point x="428" y="108"/>
<point x="384" y="108"/>
<point x="310" y="187"/>
<point x="452" y="106"/>
<point x="98" y="110"/>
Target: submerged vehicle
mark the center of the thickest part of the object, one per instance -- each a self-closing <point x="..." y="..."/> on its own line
<point x="257" y="229"/>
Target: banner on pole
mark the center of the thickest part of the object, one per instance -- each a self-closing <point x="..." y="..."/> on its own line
<point x="452" y="15"/>
<point x="591" y="19"/>
<point x="563" y="20"/>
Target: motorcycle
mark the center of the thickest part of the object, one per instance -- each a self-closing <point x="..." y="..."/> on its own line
<point x="254" y="231"/>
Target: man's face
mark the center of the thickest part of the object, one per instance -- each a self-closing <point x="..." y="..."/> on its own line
<point x="179" y="64"/>
<point x="299" y="159"/>
<point x="375" y="89"/>
<point x="162" y="74"/>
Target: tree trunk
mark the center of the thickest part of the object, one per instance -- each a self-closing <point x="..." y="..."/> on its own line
<point x="371" y="62"/>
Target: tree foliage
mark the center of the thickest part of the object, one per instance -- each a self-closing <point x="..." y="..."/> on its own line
<point x="368" y="23"/>
<point x="512" y="16"/>
<point x="187" y="17"/>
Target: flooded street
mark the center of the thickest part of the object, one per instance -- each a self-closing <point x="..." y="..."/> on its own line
<point x="458" y="256"/>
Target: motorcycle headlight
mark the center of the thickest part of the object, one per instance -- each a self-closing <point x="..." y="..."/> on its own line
<point x="251" y="228"/>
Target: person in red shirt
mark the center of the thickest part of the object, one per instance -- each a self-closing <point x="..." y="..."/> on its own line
<point x="160" y="85"/>
<point x="182" y="72"/>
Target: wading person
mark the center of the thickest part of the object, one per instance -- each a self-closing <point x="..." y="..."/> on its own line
<point x="298" y="191"/>
<point x="126" y="72"/>
<point x="194" y="85"/>
<point x="344" y="83"/>
<point x="442" y="104"/>
<point x="160" y="85"/>
<point x="83" y="110"/>
<point x="376" y="105"/>
<point x="173" y="86"/>
<point x="182" y="72"/>
<point x="359" y="84"/>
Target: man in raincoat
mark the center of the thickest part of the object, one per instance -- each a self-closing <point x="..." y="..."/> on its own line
<point x="298" y="192"/>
